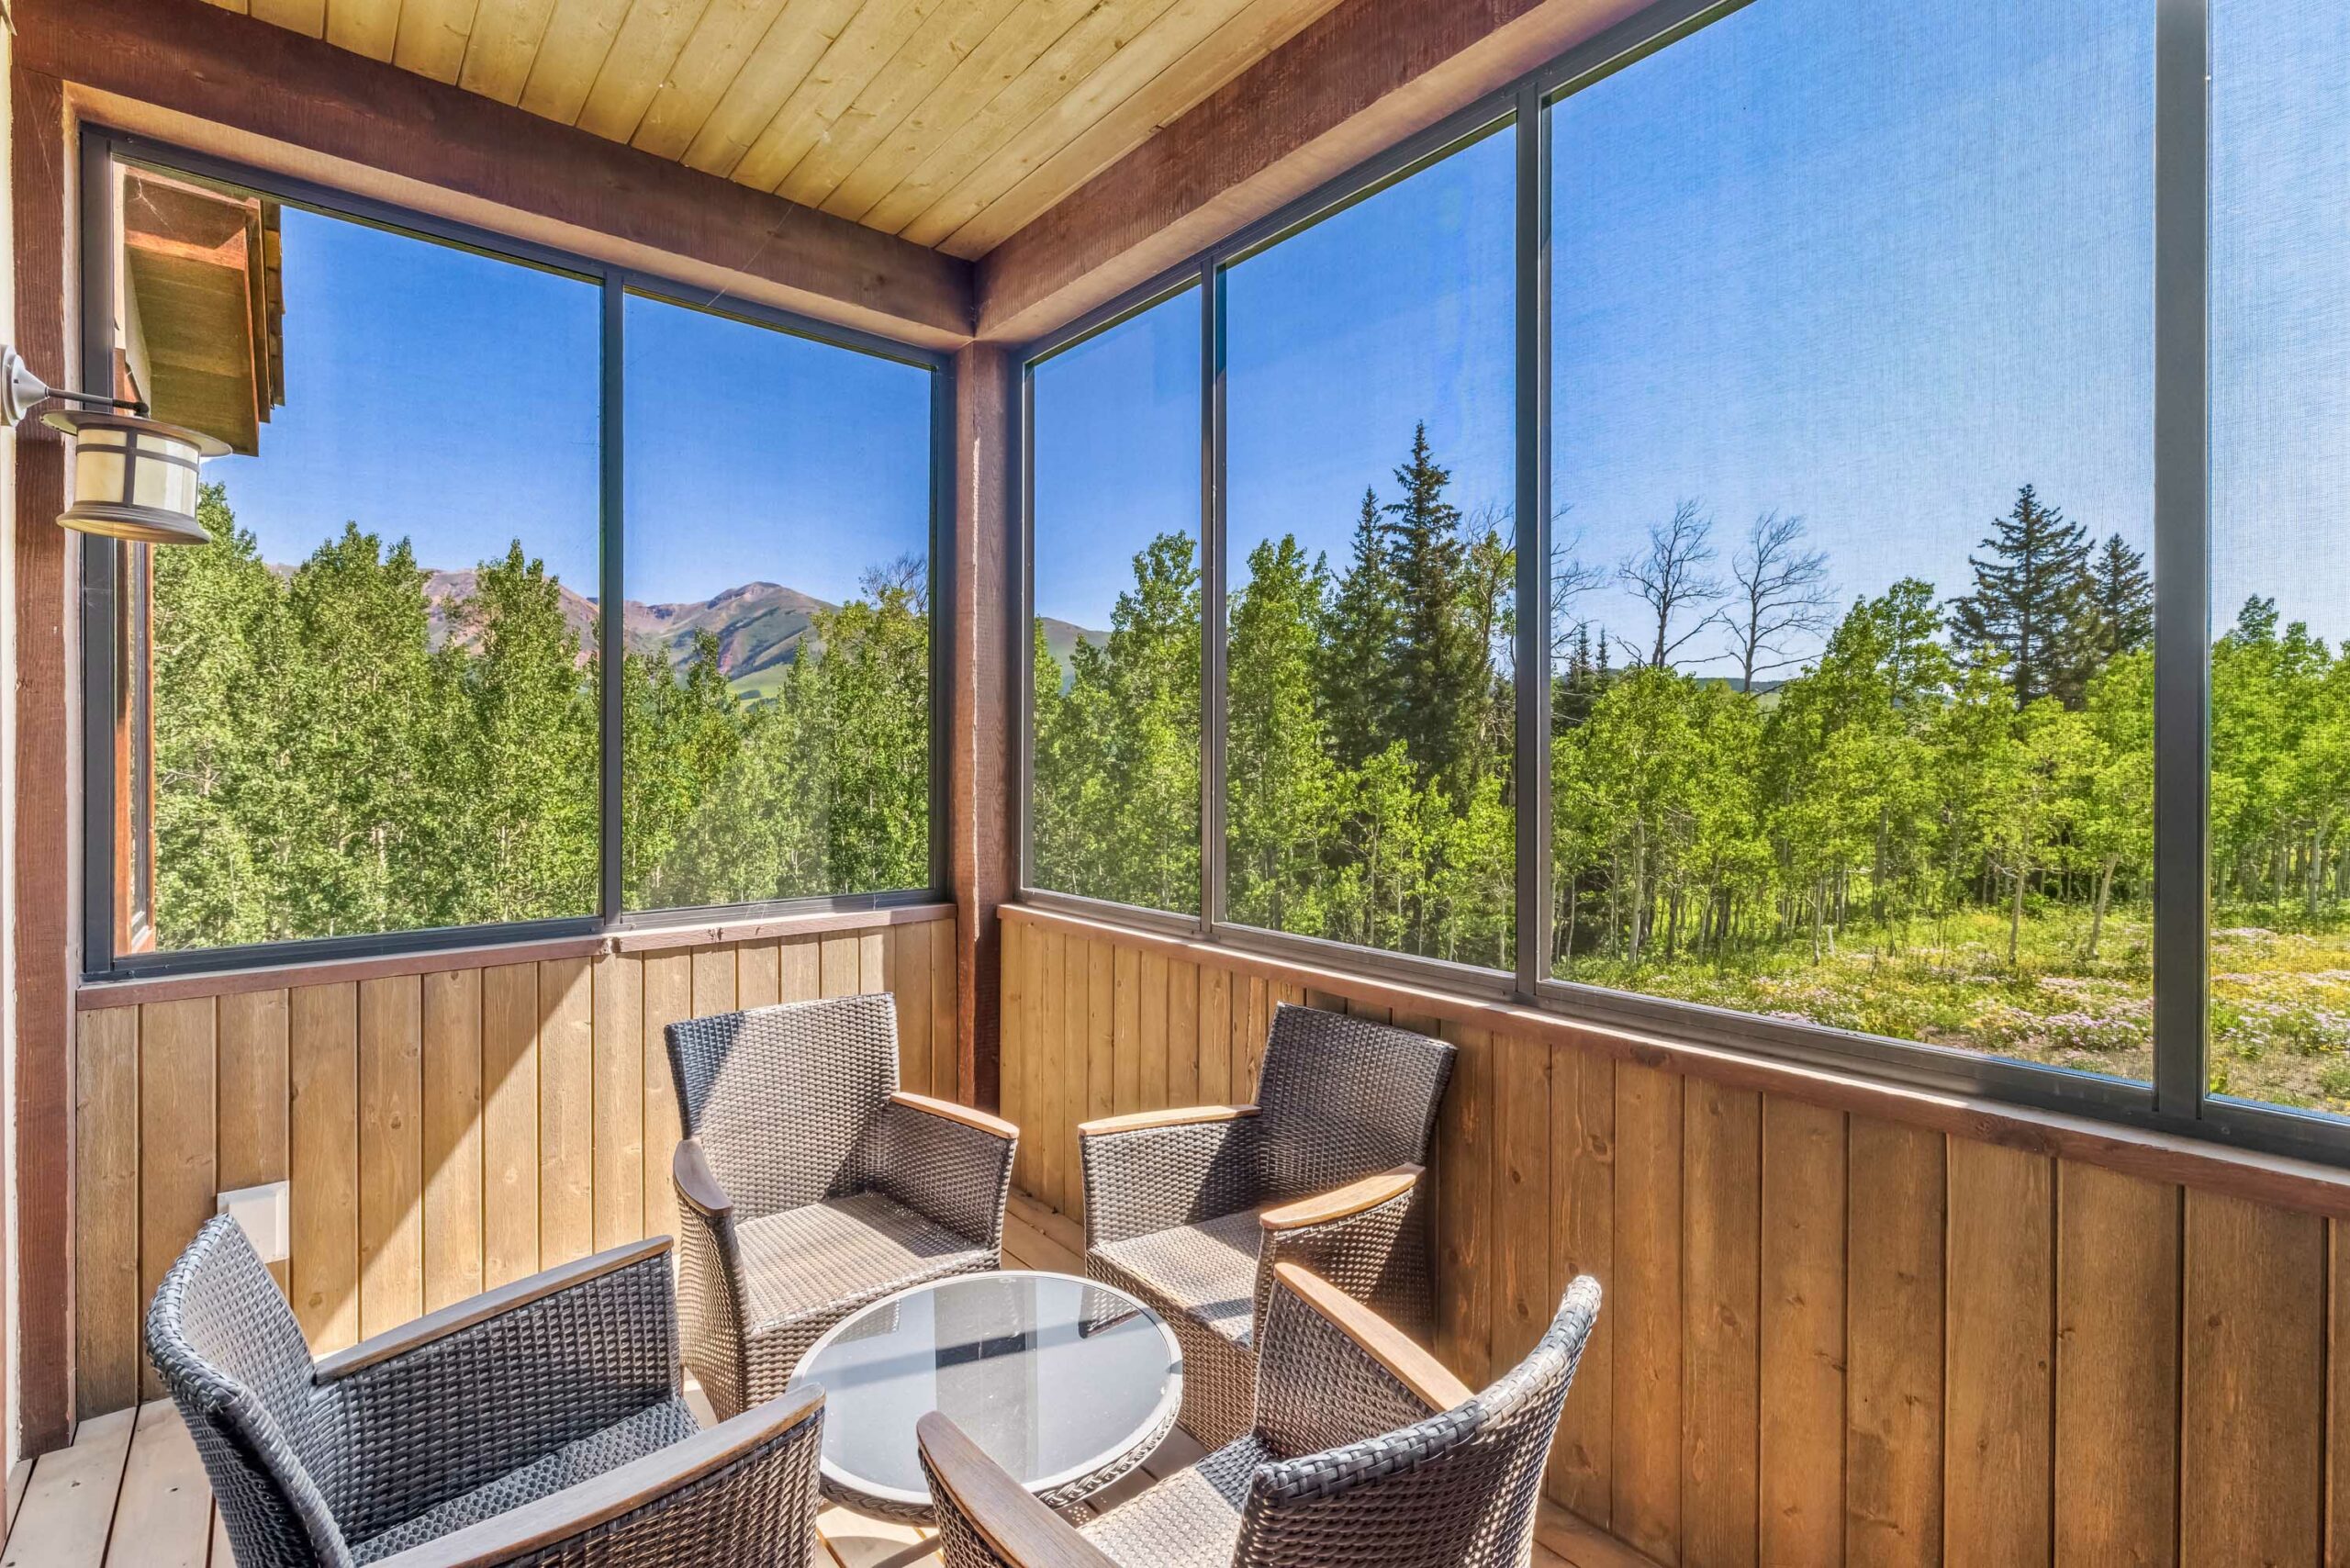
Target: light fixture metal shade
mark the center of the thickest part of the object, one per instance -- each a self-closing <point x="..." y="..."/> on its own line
<point x="134" y="478"/>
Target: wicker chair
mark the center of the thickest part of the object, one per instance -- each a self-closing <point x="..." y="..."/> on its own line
<point x="1365" y="1453"/>
<point x="809" y="1186"/>
<point x="540" y="1424"/>
<point x="1189" y="1210"/>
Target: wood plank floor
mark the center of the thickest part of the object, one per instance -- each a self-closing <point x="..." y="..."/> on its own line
<point x="131" y="1493"/>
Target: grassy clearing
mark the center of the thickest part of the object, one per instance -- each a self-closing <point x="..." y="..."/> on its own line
<point x="2280" y="999"/>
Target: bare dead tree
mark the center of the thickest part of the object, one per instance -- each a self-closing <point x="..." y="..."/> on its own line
<point x="1671" y="578"/>
<point x="1570" y="577"/>
<point x="908" y="572"/>
<point x="1782" y="593"/>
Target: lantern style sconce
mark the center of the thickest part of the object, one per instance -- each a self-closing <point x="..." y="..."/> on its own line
<point x="133" y="478"/>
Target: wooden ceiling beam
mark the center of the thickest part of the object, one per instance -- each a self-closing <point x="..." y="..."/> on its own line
<point x="235" y="87"/>
<point x="1359" y="79"/>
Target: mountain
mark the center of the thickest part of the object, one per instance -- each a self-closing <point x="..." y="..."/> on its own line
<point x="759" y="626"/>
<point x="1061" y="638"/>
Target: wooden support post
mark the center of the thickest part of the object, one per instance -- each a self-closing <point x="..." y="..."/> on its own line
<point x="982" y="854"/>
<point x="46" y="565"/>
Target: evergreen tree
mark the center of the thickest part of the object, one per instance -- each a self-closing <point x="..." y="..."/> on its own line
<point x="2121" y="599"/>
<point x="1440" y="663"/>
<point x="2030" y="610"/>
<point x="1355" y="676"/>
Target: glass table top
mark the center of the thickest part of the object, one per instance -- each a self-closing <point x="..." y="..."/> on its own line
<point x="1051" y="1376"/>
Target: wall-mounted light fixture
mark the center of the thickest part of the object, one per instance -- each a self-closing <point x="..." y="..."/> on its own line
<point x="133" y="478"/>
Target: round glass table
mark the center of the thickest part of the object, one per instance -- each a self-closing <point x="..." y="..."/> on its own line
<point x="1066" y="1383"/>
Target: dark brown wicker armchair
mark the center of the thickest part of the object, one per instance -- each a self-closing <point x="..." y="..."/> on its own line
<point x="1190" y="1210"/>
<point x="809" y="1186"/>
<point x="540" y="1424"/>
<point x="1365" y="1454"/>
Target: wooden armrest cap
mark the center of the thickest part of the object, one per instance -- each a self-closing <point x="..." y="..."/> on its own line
<point x="1016" y="1526"/>
<point x="1179" y="1116"/>
<point x="950" y="1110"/>
<point x="393" y="1343"/>
<point x="1428" y="1379"/>
<point x="560" y="1515"/>
<point x="689" y="1168"/>
<point x="1339" y="1203"/>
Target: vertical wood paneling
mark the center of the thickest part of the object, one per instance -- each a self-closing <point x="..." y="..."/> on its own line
<point x="1721" y="1371"/>
<point x="2253" y="1379"/>
<point x="1646" y="1501"/>
<point x="798" y="966"/>
<point x="510" y="1123"/>
<point x="252" y="1089"/>
<point x="452" y="1239"/>
<point x="391" y="1152"/>
<point x="714" y="981"/>
<point x="1151" y="1026"/>
<point x="1463" y="1335"/>
<point x="1801" y="1417"/>
<point x="1248" y="1039"/>
<point x="106" y="1213"/>
<point x="1182" y="1033"/>
<point x="1125" y="1028"/>
<point x="758" y="978"/>
<point x="909" y="984"/>
<point x="1011" y="1084"/>
<point x="2000" y="1333"/>
<point x="667" y="993"/>
<point x="1076" y="1054"/>
<point x="1049" y="976"/>
<point x="323" y="1068"/>
<point x="567" y="1112"/>
<point x="1215" y="1037"/>
<point x="872" y="963"/>
<point x="1523" y="1302"/>
<point x="176" y="1140"/>
<point x="2117" y="1369"/>
<point x="837" y="961"/>
<point x="1583" y="1228"/>
<point x="620" y="1100"/>
<point x="2337" y="1397"/>
<point x="945" y="1048"/>
<point x="1893" y="1454"/>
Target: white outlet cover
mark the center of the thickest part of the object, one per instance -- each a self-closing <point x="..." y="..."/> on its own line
<point x="261" y="1212"/>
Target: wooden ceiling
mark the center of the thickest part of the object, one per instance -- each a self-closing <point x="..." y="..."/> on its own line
<point x="951" y="123"/>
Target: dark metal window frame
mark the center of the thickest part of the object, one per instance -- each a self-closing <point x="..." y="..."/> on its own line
<point x="102" y="152"/>
<point x="2178" y="1099"/>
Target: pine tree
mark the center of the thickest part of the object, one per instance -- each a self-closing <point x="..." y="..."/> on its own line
<point x="1440" y="665"/>
<point x="2121" y="596"/>
<point x="2031" y="607"/>
<point x="1356" y="680"/>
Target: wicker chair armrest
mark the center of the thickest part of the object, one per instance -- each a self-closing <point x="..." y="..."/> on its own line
<point x="1158" y="1170"/>
<point x="1333" y="1372"/>
<point x="950" y="1165"/>
<point x="697" y="1184"/>
<point x="488" y="1385"/>
<point x="986" y="1520"/>
<point x="1369" y="1238"/>
<point x="741" y="1492"/>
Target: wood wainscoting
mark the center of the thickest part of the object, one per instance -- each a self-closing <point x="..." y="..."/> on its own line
<point x="445" y="1122"/>
<point x="1844" y="1322"/>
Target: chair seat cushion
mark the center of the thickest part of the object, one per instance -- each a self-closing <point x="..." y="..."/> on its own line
<point x="1206" y="1271"/>
<point x="1191" y="1520"/>
<point x="842" y="1252"/>
<point x="655" y="1428"/>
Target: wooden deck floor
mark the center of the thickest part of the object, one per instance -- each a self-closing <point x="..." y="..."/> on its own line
<point x="131" y="1493"/>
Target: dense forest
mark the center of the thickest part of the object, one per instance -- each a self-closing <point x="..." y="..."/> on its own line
<point x="325" y="765"/>
<point x="1914" y="815"/>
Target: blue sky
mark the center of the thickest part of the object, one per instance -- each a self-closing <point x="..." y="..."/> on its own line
<point x="454" y="399"/>
<point x="1873" y="265"/>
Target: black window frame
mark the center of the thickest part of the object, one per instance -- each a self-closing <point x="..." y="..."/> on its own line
<point x="102" y="149"/>
<point x="2177" y="1099"/>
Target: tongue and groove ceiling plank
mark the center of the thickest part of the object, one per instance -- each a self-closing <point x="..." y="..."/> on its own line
<point x="952" y="123"/>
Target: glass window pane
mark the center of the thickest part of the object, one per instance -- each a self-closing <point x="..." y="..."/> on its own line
<point x="1369" y="400"/>
<point x="370" y="703"/>
<point x="2280" y="558"/>
<point x="1115" y="806"/>
<point x="777" y="629"/>
<point x="1853" y="392"/>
